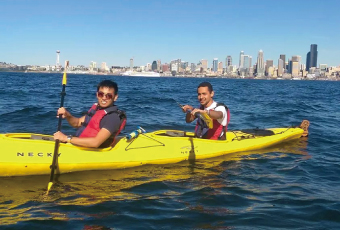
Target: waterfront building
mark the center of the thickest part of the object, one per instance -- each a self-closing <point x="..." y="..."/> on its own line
<point x="103" y="67"/>
<point x="215" y="65"/>
<point x="269" y="63"/>
<point x="220" y="67"/>
<point x="154" y="66"/>
<point x="177" y="64"/>
<point x="159" y="65"/>
<point x="241" y="60"/>
<point x="131" y="63"/>
<point x="142" y="68"/>
<point x="283" y="58"/>
<point x="246" y="65"/>
<point x="93" y="66"/>
<point x="295" y="69"/>
<point x="58" y="66"/>
<point x="312" y="57"/>
<point x="184" y="64"/>
<point x="228" y="61"/>
<point x="270" y="71"/>
<point x="148" y="66"/>
<point x="192" y="67"/>
<point x="174" y="67"/>
<point x="280" y="68"/>
<point x="323" y="67"/>
<point x="204" y="64"/>
<point x="260" y="64"/>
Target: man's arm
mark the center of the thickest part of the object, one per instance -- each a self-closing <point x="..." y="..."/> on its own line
<point x="75" y="122"/>
<point x="92" y="142"/>
<point x="215" y="114"/>
<point x="188" y="117"/>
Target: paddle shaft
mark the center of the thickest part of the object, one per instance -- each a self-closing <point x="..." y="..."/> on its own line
<point x="56" y="145"/>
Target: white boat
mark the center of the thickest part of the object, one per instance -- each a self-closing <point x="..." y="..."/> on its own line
<point x="141" y="74"/>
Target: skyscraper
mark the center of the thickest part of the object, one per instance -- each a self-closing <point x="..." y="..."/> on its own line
<point x="131" y="63"/>
<point x="269" y="63"/>
<point x="280" y="67"/>
<point x="215" y="65"/>
<point x="159" y="65"/>
<point x="283" y="58"/>
<point x="229" y="61"/>
<point x="241" y="60"/>
<point x="204" y="64"/>
<point x="312" y="57"/>
<point x="260" y="64"/>
<point x="154" y="66"/>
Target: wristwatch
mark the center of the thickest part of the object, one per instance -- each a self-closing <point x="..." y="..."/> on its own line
<point x="69" y="137"/>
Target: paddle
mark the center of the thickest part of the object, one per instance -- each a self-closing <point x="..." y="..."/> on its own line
<point x="56" y="145"/>
<point x="205" y="117"/>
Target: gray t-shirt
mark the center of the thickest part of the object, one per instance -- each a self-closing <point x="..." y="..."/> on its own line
<point x="111" y="122"/>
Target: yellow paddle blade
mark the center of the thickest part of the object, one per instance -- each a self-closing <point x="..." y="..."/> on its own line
<point x="64" y="79"/>
<point x="65" y="75"/>
<point x="49" y="186"/>
<point x="207" y="120"/>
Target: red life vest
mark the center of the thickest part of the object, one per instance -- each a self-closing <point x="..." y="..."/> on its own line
<point x="91" y="125"/>
<point x="202" y="130"/>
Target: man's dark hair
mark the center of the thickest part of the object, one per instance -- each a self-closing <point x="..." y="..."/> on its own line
<point x="206" y="84"/>
<point x="109" y="84"/>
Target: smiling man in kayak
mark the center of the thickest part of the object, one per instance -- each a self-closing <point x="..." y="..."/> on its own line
<point x="102" y="122"/>
<point x="218" y="112"/>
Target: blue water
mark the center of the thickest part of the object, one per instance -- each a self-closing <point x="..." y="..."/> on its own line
<point x="295" y="185"/>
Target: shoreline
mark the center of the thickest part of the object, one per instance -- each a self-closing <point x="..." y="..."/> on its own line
<point x="179" y="76"/>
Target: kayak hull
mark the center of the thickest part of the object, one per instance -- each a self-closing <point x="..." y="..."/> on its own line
<point x="23" y="155"/>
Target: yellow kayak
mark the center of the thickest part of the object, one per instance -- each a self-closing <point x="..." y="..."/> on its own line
<point x="31" y="154"/>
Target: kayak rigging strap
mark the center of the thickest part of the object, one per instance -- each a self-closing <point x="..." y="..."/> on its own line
<point x="160" y="143"/>
<point x="251" y="133"/>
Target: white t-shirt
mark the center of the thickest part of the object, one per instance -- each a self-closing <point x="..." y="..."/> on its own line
<point x="223" y="120"/>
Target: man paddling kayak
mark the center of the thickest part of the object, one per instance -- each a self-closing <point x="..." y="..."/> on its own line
<point x="218" y="112"/>
<point x="101" y="123"/>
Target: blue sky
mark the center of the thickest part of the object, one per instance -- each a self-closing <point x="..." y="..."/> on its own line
<point x="113" y="31"/>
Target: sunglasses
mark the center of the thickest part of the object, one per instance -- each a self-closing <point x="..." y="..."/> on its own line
<point x="101" y="95"/>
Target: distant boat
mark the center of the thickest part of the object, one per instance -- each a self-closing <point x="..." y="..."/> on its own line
<point x="141" y="74"/>
<point x="296" y="78"/>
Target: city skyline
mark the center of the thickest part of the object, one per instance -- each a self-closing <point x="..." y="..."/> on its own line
<point x="113" y="32"/>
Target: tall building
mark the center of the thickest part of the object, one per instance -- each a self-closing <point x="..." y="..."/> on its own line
<point x="260" y="64"/>
<point x="269" y="63"/>
<point x="215" y="65"/>
<point x="228" y="61"/>
<point x="280" y="68"/>
<point x="165" y="67"/>
<point x="312" y="57"/>
<point x="204" y="64"/>
<point x="220" y="67"/>
<point x="283" y="58"/>
<point x="57" y="62"/>
<point x="297" y="58"/>
<point x="148" y="67"/>
<point x="158" y="65"/>
<point x="93" y="65"/>
<point x="295" y="68"/>
<point x="154" y="66"/>
<point x="241" y="60"/>
<point x="192" y="67"/>
<point x="131" y="63"/>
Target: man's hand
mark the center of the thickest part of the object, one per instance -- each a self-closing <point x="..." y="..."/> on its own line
<point x="62" y="111"/>
<point x="186" y="108"/>
<point x="60" y="136"/>
<point x="194" y="111"/>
